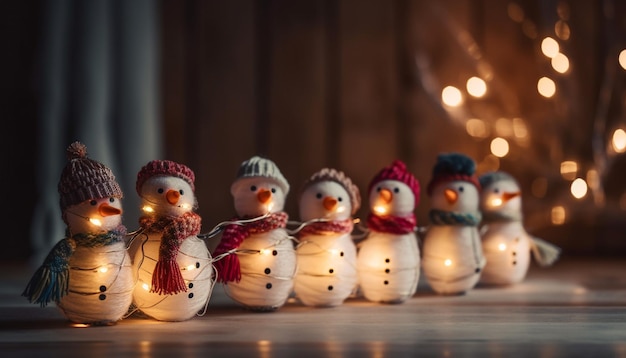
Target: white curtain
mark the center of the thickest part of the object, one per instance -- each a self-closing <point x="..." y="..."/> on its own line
<point x="98" y="85"/>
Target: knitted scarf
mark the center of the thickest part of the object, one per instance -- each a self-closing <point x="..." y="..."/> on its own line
<point x="328" y="227"/>
<point x="51" y="280"/>
<point x="392" y="224"/>
<point x="228" y="268"/>
<point x="167" y="278"/>
<point x="442" y="217"/>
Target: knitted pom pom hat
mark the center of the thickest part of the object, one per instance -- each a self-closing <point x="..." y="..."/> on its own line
<point x="84" y="179"/>
<point x="339" y="177"/>
<point x="493" y="177"/>
<point x="167" y="168"/>
<point x="260" y="167"/>
<point x="397" y="171"/>
<point x="453" y="166"/>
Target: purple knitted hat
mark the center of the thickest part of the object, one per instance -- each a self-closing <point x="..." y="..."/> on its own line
<point x="84" y="179"/>
<point x="343" y="180"/>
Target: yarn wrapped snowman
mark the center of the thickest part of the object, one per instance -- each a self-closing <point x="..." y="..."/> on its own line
<point x="506" y="244"/>
<point x="452" y="256"/>
<point x="173" y="265"/>
<point x="327" y="273"/>
<point x="256" y="259"/>
<point x="88" y="274"/>
<point x="388" y="259"/>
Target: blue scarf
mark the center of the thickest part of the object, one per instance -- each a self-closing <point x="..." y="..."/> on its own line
<point x="442" y="217"/>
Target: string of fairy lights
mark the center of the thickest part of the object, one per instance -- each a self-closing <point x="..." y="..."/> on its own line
<point x="503" y="133"/>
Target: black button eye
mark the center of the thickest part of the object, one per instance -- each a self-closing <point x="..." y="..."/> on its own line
<point x="318" y="195"/>
<point x="253" y="188"/>
<point x="182" y="192"/>
<point x="461" y="189"/>
<point x="339" y="198"/>
<point x="378" y="189"/>
<point x="496" y="190"/>
<point x="396" y="190"/>
<point x="93" y="202"/>
<point x="160" y="190"/>
<point x="273" y="190"/>
<point x="111" y="200"/>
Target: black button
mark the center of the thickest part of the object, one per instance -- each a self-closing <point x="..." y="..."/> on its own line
<point x="102" y="297"/>
<point x="274" y="252"/>
<point x="387" y="270"/>
<point x="386" y="282"/>
<point x="190" y="295"/>
<point x="267" y="271"/>
<point x="330" y="288"/>
<point x="341" y="253"/>
<point x="387" y="260"/>
<point x="477" y="270"/>
<point x="197" y="265"/>
<point x="268" y="286"/>
<point x="103" y="288"/>
<point x="190" y="284"/>
<point x="331" y="271"/>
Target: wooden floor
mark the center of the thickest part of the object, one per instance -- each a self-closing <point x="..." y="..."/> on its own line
<point x="576" y="308"/>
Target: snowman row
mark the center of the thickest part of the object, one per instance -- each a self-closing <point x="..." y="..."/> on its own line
<point x="260" y="261"/>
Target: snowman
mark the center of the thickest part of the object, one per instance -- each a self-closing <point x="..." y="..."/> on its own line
<point x="388" y="260"/>
<point x="506" y="244"/>
<point x="327" y="273"/>
<point x="88" y="274"/>
<point x="173" y="265"/>
<point x="452" y="256"/>
<point x="256" y="259"/>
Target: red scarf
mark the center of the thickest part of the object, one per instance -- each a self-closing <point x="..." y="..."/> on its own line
<point x="167" y="278"/>
<point x="328" y="227"/>
<point x="392" y="224"/>
<point x="228" y="268"/>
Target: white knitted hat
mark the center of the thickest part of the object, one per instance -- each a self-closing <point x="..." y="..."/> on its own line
<point x="261" y="167"/>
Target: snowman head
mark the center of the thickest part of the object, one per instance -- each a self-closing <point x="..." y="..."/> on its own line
<point x="329" y="194"/>
<point x="86" y="186"/>
<point x="454" y="185"/>
<point x="394" y="191"/>
<point x="166" y="188"/>
<point x="501" y="193"/>
<point x="259" y="188"/>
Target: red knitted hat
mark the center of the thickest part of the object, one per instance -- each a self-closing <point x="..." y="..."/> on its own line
<point x="397" y="171"/>
<point x="84" y="179"/>
<point x="453" y="166"/>
<point x="165" y="167"/>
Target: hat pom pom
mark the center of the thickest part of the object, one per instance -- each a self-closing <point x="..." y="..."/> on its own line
<point x="76" y="150"/>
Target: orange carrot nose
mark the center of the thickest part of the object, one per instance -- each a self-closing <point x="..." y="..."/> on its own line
<point x="107" y="210"/>
<point x="508" y="196"/>
<point x="172" y="196"/>
<point x="385" y="195"/>
<point x="330" y="203"/>
<point x="451" y="196"/>
<point x="264" y="196"/>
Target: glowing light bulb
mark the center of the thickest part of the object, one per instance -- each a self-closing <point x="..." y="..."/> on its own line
<point x="380" y="209"/>
<point x="560" y="63"/>
<point x="334" y="251"/>
<point x="502" y="247"/>
<point x="185" y="206"/>
<point x="190" y="267"/>
<point x="569" y="168"/>
<point x="103" y="269"/>
<point x="499" y="147"/>
<point x="145" y="286"/>
<point x="265" y="251"/>
<point x="619" y="140"/>
<point x="447" y="262"/>
<point x="80" y="325"/>
<point x="557" y="215"/>
<point x="95" y="222"/>
<point x="546" y="87"/>
<point x="147" y="209"/>
<point x="451" y="96"/>
<point x="496" y="202"/>
<point x="579" y="188"/>
<point x="476" y="87"/>
<point x="549" y="47"/>
<point x="622" y="59"/>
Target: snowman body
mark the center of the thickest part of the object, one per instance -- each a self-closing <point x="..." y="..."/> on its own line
<point x="100" y="277"/>
<point x="452" y="259"/>
<point x="327" y="273"/>
<point x="267" y="263"/>
<point x="389" y="263"/>
<point x="267" y="260"/>
<point x="196" y="267"/>
<point x="171" y="197"/>
<point x="506" y="247"/>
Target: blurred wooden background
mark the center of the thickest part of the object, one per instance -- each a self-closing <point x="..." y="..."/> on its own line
<point x="317" y="83"/>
